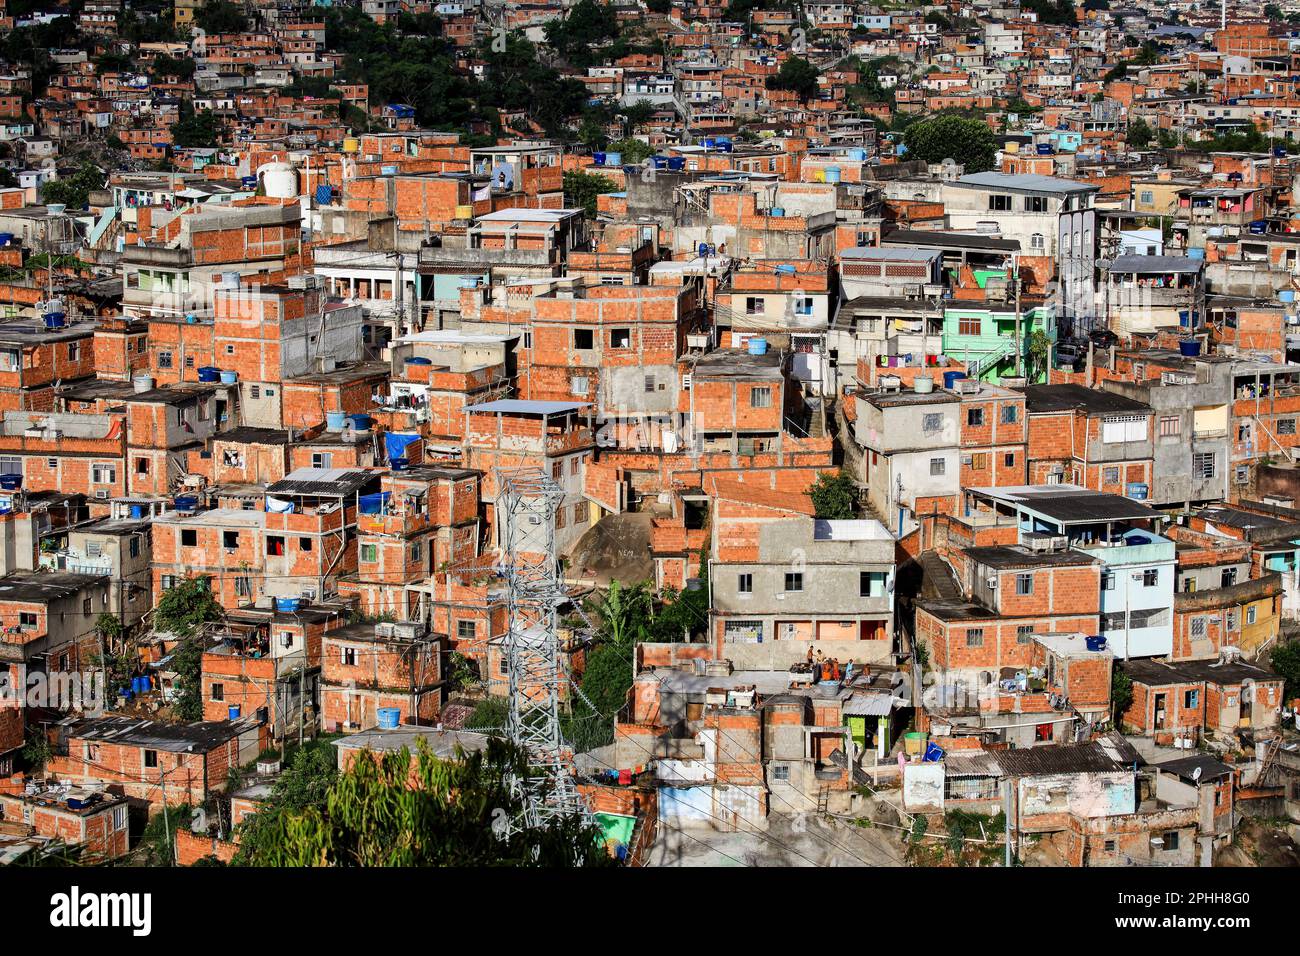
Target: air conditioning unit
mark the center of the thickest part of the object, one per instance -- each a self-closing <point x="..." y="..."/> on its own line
<point x="101" y="493"/>
<point x="993" y="582"/>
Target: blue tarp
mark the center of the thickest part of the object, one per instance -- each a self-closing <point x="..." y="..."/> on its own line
<point x="374" y="504"/>
<point x="396" y="443"/>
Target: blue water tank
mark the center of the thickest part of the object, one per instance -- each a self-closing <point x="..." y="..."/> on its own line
<point x="1189" y="347"/>
<point x="185" y="502"/>
<point x="209" y="373"/>
<point x="1195" y="253"/>
<point x="419" y="360"/>
<point x="137" y="511"/>
<point x="55" y="320"/>
<point x="229" y="378"/>
<point x="777" y="211"/>
<point x="1095" y="643"/>
<point x="361" y="422"/>
<point x="598" y="159"/>
<point x="758" y="345"/>
<point x="613" y="159"/>
<point x="389" y="717"/>
<point x="334" y="421"/>
<point x="951" y="378"/>
<point x="233" y="711"/>
<point x="1137" y="490"/>
<point x="832" y="174"/>
<point x="11" y="482"/>
<point x="398" y="464"/>
<point x="1286" y="295"/>
<point x="287" y="605"/>
<point x="676" y="163"/>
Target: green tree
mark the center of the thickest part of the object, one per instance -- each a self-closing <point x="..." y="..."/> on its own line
<point x="74" y="191"/>
<point x="183" y="609"/>
<point x="198" y="130"/>
<point x="1039" y="354"/>
<point x="583" y="36"/>
<point x="967" y="141"/>
<point x="1286" y="661"/>
<point x="581" y="190"/>
<point x="622" y="615"/>
<point x="221" y="16"/>
<point x="633" y="151"/>
<point x="834" y="496"/>
<point x="400" y="809"/>
<point x="796" y="75"/>
<point x="1139" y="134"/>
<point x="1121" y="693"/>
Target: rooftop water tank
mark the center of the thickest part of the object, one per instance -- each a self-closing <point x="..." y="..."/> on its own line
<point x="924" y="384"/>
<point x="757" y="345"/>
<point x="279" y="180"/>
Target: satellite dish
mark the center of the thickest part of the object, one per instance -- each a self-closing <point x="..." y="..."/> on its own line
<point x="1196" y="775"/>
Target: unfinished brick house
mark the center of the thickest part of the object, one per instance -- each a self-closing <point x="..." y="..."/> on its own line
<point x="1091" y="438"/>
<point x="1186" y="700"/>
<point x="88" y="818"/>
<point x="365" y="667"/>
<point x="149" y="761"/>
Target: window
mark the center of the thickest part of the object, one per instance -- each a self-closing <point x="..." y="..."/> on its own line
<point x="1227" y="577"/>
<point x="938" y="466"/>
<point x="151" y="759"/>
<point x="975" y="637"/>
<point x="1147" y="197"/>
<point x="189" y="538"/>
<point x="369" y="552"/>
<point x="780" y="771"/>
<point x="1035" y="204"/>
<point x="1191" y="699"/>
<point x="581" y="386"/>
<point x="1286" y="426"/>
<point x="1203" y="464"/>
<point x="164" y="360"/>
<point x="760" y="396"/>
<point x="103" y="474"/>
<point x="1038" y="242"/>
<point x="1023" y="633"/>
<point x="584" y="339"/>
<point x="27" y="620"/>
<point x="557" y="470"/>
<point x="1110" y="476"/>
<point x="348" y="656"/>
<point x="1251" y="614"/>
<point x="305" y="544"/>
<point x="754" y="305"/>
<point x="74" y="351"/>
<point x="794" y="581"/>
<point x="142" y="466"/>
<point x="1170" y="426"/>
<point x="580" y="512"/>
<point x="975" y="417"/>
<point x="743" y="632"/>
<point x="1009" y="459"/>
<point x="218" y="691"/>
<point x="1024" y="584"/>
<point x="416" y="551"/>
<point x="322" y="459"/>
<point x="1171" y="840"/>
<point x="1123" y="428"/>
<point x="168" y="582"/>
<point x="620" y="338"/>
<point x="135" y="547"/>
<point x="931" y="423"/>
<point x="230" y="539"/>
<point x="649" y="383"/>
<point x="1010" y="414"/>
<point x="1198" y="627"/>
<point x="1150" y="577"/>
<point x="745" y="583"/>
<point x="274" y="545"/>
<point x="466" y="630"/>
<point x="999" y="203"/>
<point x="871" y="584"/>
<point x="968" y="325"/>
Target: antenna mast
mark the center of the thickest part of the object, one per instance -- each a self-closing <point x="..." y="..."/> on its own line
<point x="526" y="504"/>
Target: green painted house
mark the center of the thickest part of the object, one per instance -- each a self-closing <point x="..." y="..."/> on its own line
<point x="983" y="335"/>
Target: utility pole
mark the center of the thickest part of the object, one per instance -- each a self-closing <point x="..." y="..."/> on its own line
<point x="1020" y="344"/>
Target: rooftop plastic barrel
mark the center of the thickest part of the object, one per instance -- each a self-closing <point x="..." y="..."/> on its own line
<point x="334" y="421"/>
<point x="286" y="605"/>
<point x="234" y="711"/>
<point x="1189" y="347"/>
<point x="11" y="482"/>
<point x="832" y="174"/>
<point x="229" y="378"/>
<point x="952" y="378"/>
<point x="1095" y="643"/>
<point x="186" y="502"/>
<point x="389" y="717"/>
<point x="209" y="373"/>
<point x="361" y="422"/>
<point x="758" y="346"/>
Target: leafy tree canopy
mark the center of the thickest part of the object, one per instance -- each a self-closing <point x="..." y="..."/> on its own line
<point x="834" y="496"/>
<point x="969" y="142"/>
<point x="796" y="75"/>
<point x="74" y="191"/>
<point x="399" y="809"/>
<point x="581" y="190"/>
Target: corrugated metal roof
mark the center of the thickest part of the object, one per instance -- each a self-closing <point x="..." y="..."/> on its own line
<point x="515" y="406"/>
<point x="1026" y="182"/>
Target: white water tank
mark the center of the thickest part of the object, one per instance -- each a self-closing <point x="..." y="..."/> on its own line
<point x="279" y="180"/>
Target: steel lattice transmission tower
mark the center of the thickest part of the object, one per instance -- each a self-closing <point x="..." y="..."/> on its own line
<point x="527" y="500"/>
